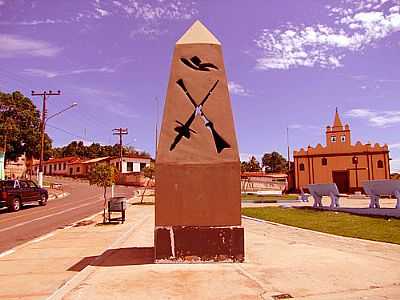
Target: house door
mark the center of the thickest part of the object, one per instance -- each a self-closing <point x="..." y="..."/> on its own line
<point x="341" y="178"/>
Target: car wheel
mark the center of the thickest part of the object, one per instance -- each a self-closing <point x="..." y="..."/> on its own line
<point x="43" y="200"/>
<point x="15" y="204"/>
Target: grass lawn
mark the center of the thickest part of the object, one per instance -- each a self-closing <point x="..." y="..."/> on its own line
<point x="267" y="198"/>
<point x="338" y="223"/>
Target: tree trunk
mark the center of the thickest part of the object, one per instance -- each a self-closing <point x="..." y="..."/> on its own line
<point x="104" y="205"/>
<point x="145" y="188"/>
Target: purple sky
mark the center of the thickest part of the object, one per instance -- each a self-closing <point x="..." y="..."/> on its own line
<point x="289" y="63"/>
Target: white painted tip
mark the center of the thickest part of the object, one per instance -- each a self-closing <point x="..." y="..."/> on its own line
<point x="198" y="34"/>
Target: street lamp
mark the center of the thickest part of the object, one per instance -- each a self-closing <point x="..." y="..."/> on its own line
<point x="355" y="162"/>
<point x="40" y="179"/>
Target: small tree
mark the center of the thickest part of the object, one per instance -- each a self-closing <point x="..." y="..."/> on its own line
<point x="103" y="176"/>
<point x="148" y="173"/>
<point x="251" y="166"/>
<point x="274" y="162"/>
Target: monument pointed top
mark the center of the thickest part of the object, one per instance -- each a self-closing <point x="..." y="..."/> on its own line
<point x="198" y="34"/>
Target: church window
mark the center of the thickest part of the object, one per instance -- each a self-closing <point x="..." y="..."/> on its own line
<point x="333" y="138"/>
<point x="324" y="161"/>
<point x="380" y="164"/>
<point x="343" y="138"/>
<point x="301" y="167"/>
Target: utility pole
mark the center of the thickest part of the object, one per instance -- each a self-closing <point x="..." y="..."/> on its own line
<point x="45" y="94"/>
<point x="288" y="147"/>
<point x="120" y="132"/>
<point x="156" y="126"/>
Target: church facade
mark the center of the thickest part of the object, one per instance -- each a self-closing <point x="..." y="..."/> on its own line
<point x="340" y="161"/>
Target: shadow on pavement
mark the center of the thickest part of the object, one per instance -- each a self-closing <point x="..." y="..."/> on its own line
<point x="117" y="257"/>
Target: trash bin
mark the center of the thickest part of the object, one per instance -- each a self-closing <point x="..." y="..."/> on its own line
<point x="118" y="205"/>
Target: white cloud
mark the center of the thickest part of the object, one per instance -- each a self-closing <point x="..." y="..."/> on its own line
<point x="40" y="73"/>
<point x="302" y="126"/>
<point x="247" y="156"/>
<point x="376" y="119"/>
<point x="394" y="146"/>
<point x="52" y="74"/>
<point x="146" y="11"/>
<point x="147" y="30"/>
<point x="172" y="10"/>
<point x="395" y="165"/>
<point x="14" y="45"/>
<point x="102" y="12"/>
<point x="326" y="46"/>
<point x="36" y="22"/>
<point x="237" y="89"/>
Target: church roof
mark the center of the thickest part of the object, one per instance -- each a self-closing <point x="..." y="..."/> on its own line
<point x="337" y="123"/>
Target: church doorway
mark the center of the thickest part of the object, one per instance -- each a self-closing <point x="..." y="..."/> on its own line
<point x="341" y="178"/>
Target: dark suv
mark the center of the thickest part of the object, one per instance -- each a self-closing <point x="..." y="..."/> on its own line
<point x="15" y="193"/>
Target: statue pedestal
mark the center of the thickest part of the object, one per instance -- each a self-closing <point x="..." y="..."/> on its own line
<point x="199" y="244"/>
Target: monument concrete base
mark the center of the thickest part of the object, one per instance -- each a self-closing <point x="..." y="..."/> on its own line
<point x="199" y="244"/>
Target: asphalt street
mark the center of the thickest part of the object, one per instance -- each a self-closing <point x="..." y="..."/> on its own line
<point x="34" y="221"/>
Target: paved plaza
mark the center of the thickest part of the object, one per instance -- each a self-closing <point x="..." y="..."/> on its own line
<point x="89" y="261"/>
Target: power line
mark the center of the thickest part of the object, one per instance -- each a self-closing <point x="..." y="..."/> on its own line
<point x="93" y="139"/>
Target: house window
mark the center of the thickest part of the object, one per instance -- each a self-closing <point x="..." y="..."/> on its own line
<point x="59" y="167"/>
<point x="333" y="138"/>
<point x="142" y="166"/>
<point x="324" y="161"/>
<point x="343" y="138"/>
<point x="380" y="164"/>
<point x="129" y="166"/>
<point x="301" y="167"/>
<point x="78" y="169"/>
<point x="65" y="166"/>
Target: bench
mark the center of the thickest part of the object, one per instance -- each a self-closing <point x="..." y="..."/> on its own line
<point x="384" y="187"/>
<point x="324" y="189"/>
<point x="117" y="204"/>
<point x="304" y="194"/>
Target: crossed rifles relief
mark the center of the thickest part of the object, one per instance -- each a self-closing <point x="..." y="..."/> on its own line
<point x="184" y="129"/>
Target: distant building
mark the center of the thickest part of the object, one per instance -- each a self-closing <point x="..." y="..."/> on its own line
<point x="261" y="181"/>
<point x="77" y="167"/>
<point x="341" y="162"/>
<point x="16" y="169"/>
<point x="55" y="166"/>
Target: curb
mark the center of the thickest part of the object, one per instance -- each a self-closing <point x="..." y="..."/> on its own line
<point x="60" y="196"/>
<point x="314" y="231"/>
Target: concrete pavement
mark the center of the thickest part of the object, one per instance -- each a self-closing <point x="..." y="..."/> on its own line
<point x="34" y="221"/>
<point x="115" y="262"/>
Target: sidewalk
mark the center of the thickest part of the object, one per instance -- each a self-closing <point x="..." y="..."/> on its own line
<point x="279" y="260"/>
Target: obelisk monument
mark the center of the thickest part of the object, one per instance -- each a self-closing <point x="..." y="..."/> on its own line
<point x="197" y="209"/>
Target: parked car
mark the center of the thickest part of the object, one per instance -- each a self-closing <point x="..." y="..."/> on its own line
<point x="15" y="193"/>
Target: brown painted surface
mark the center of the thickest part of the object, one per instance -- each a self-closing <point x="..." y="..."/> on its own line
<point x="339" y="152"/>
<point x="199" y="195"/>
<point x="197" y="163"/>
<point x="195" y="183"/>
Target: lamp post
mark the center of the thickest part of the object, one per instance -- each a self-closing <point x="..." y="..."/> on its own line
<point x="40" y="177"/>
<point x="355" y="162"/>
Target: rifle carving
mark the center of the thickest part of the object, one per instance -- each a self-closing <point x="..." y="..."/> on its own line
<point x="184" y="130"/>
